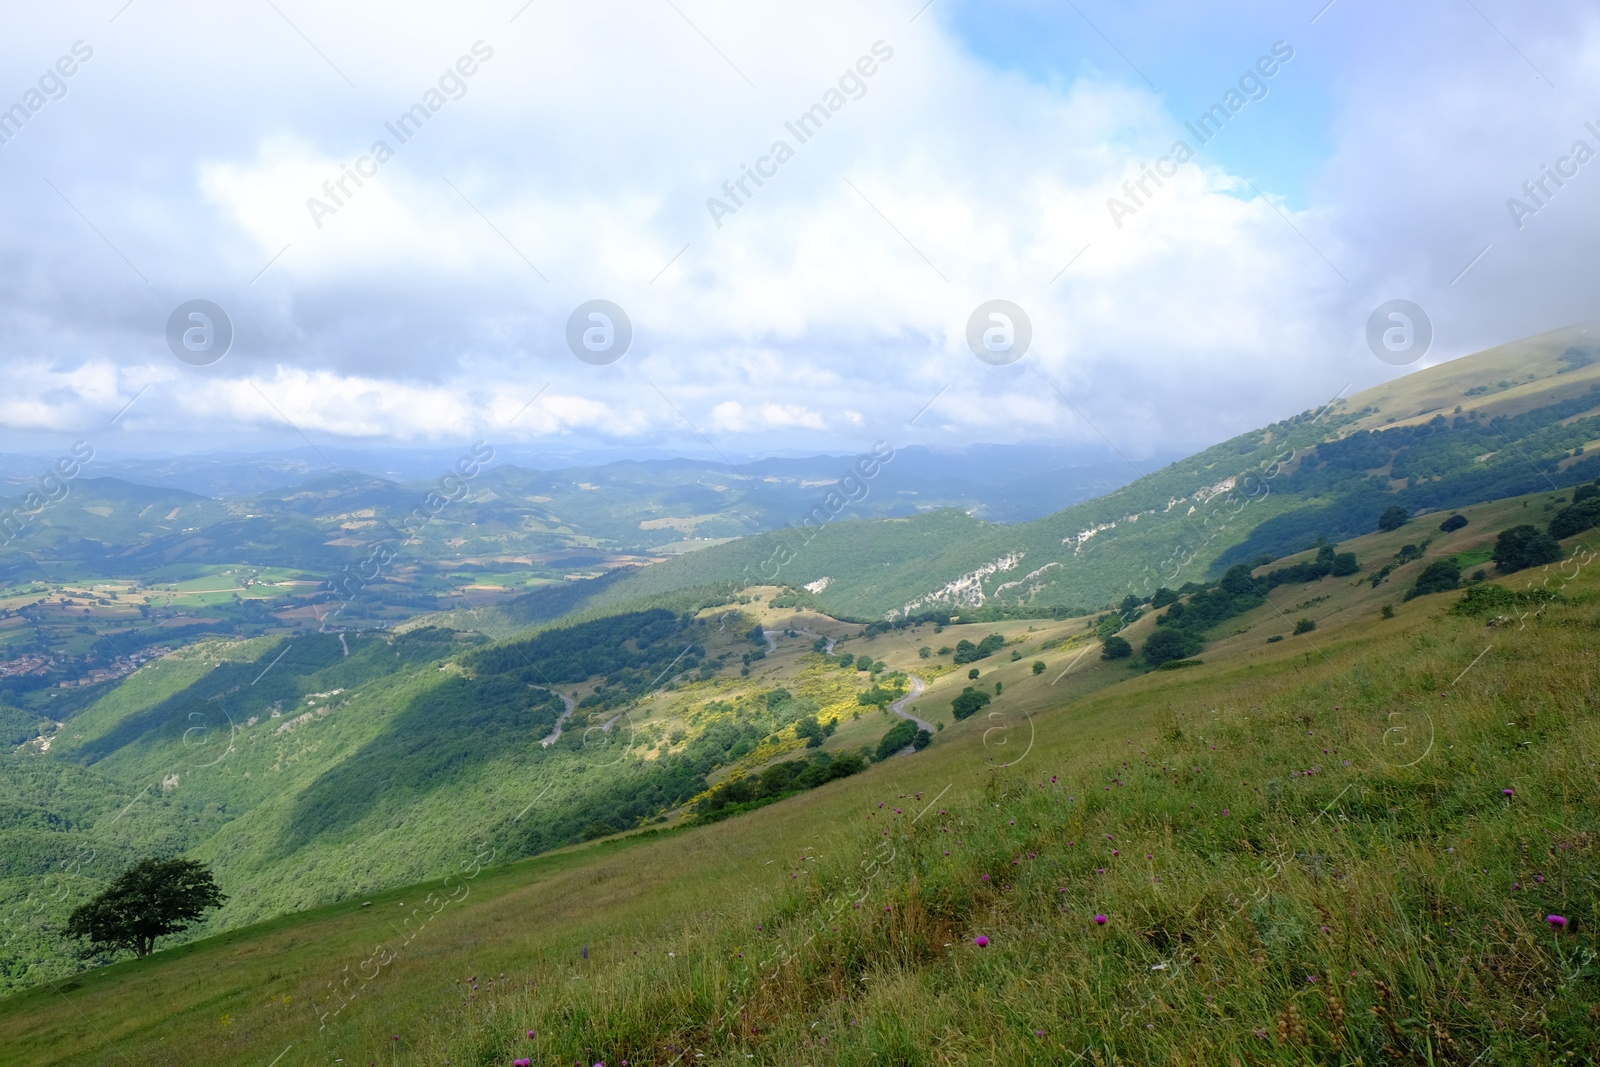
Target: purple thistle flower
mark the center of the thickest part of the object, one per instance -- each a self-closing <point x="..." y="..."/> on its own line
<point x="1101" y="919"/>
<point x="983" y="942"/>
<point x="1557" y="921"/>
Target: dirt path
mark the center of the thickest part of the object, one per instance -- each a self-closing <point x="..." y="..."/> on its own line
<point x="768" y="634"/>
<point x="899" y="706"/>
<point x="572" y="706"/>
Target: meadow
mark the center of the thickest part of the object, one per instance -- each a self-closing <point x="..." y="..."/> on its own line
<point x="1370" y="843"/>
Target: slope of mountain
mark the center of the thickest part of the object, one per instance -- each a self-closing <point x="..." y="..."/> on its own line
<point x="1370" y="841"/>
<point x="1511" y="420"/>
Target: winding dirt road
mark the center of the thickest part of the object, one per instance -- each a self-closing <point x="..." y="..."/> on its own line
<point x="899" y="706"/>
<point x="572" y="706"/>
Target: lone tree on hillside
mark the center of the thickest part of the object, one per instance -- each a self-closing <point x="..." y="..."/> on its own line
<point x="1525" y="546"/>
<point x="1393" y="518"/>
<point x="151" y="899"/>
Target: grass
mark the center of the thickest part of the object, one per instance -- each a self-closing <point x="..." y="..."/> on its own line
<point x="1266" y="903"/>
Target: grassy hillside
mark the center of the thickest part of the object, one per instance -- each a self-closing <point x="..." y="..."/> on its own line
<point x="1343" y="847"/>
<point x="320" y="767"/>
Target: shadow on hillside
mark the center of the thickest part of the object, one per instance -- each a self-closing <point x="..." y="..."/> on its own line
<point x="229" y="694"/>
<point x="440" y="737"/>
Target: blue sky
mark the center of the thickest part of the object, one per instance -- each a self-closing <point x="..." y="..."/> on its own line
<point x="1190" y="54"/>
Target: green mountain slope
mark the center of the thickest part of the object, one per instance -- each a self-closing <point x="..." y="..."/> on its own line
<point x="1511" y="420"/>
<point x="1352" y="845"/>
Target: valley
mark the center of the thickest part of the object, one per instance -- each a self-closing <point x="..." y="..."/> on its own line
<point x="703" y="780"/>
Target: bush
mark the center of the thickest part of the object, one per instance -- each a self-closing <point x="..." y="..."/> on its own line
<point x="1274" y="639"/>
<point x="1453" y="523"/>
<point x="1114" y="648"/>
<point x="1170" y="643"/>
<point x="1393" y="518"/>
<point x="967" y="652"/>
<point x="1038" y="664"/>
<point x="1440" y="576"/>
<point x="899" y="736"/>
<point x="1304" y="626"/>
<point x="1524" y="546"/>
<point x="1345" y="564"/>
<point x="1163" y="597"/>
<point x="969" y="703"/>
<point x="1577" y="518"/>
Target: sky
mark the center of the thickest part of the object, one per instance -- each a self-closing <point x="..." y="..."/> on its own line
<point x="957" y="154"/>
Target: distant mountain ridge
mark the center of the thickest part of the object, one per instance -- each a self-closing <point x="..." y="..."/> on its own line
<point x="1510" y="420"/>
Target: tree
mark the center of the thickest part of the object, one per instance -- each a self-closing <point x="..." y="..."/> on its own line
<point x="1345" y="564"/>
<point x="899" y="736"/>
<point x="1586" y="492"/>
<point x="810" y="729"/>
<point x="973" y="673"/>
<point x="1163" y="597"/>
<point x="153" y="898"/>
<point x="1453" y="523"/>
<point x="1524" y="546"/>
<point x="1304" y="626"/>
<point x="1038" y="665"/>
<point x="1582" y="515"/>
<point x="1115" y="648"/>
<point x="969" y="702"/>
<point x="1440" y="576"/>
<point x="1393" y="518"/>
<point x="1170" y="643"/>
<point x="1237" y="581"/>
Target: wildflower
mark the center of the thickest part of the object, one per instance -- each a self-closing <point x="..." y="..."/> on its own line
<point x="981" y="941"/>
<point x="1101" y="919"/>
<point x="1559" y="922"/>
<point x="524" y="1062"/>
<point x="1508" y="792"/>
<point x="985" y="877"/>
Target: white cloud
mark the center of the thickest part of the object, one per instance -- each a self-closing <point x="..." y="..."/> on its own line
<point x="832" y="304"/>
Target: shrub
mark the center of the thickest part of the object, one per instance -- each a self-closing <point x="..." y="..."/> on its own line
<point x="1345" y="564"/>
<point x="969" y="703"/>
<point x="1453" y="523"/>
<point x="1393" y="518"/>
<point x="899" y="736"/>
<point x="1439" y="576"/>
<point x="1038" y="664"/>
<point x="1170" y="643"/>
<point x="973" y="673"/>
<point x="1524" y="546"/>
<point x="1274" y="639"/>
<point x="1114" y="648"/>
<point x="1577" y="518"/>
<point x="1304" y="626"/>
